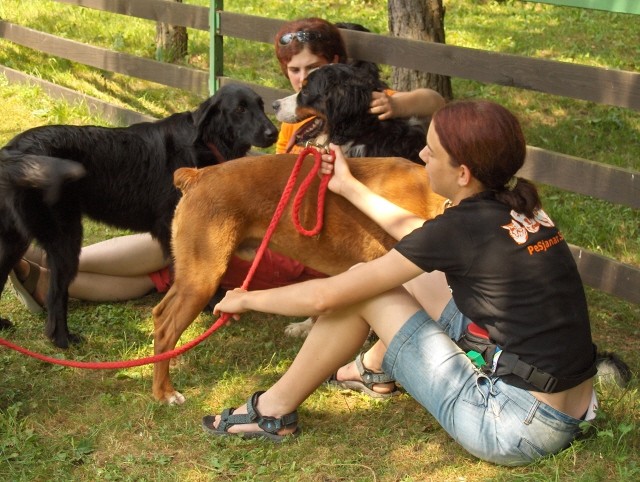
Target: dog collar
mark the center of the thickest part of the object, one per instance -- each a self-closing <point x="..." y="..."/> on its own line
<point x="216" y="153"/>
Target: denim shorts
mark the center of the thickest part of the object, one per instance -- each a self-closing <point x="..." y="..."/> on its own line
<point x="492" y="420"/>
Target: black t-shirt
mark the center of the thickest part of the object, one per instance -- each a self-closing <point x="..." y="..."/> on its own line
<point x="516" y="278"/>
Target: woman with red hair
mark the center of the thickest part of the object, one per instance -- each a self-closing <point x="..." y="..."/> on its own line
<point x="481" y="312"/>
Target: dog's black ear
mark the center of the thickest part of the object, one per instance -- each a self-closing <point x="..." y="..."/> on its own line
<point x="202" y="115"/>
<point x="368" y="70"/>
<point x="348" y="108"/>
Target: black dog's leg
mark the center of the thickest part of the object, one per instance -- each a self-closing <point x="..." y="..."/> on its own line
<point x="162" y="233"/>
<point x="12" y="247"/>
<point x="62" y="258"/>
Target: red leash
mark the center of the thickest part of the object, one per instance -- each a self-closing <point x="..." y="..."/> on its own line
<point x="286" y="195"/>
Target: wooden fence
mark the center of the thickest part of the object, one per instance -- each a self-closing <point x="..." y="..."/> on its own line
<point x="599" y="85"/>
<point x="622" y="6"/>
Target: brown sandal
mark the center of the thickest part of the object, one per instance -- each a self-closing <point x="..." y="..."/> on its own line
<point x="26" y="288"/>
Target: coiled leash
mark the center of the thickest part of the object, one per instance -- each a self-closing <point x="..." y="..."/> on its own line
<point x="224" y="317"/>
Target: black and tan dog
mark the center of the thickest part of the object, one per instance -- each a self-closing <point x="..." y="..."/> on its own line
<point x="52" y="176"/>
<point x="228" y="207"/>
<point x="339" y="97"/>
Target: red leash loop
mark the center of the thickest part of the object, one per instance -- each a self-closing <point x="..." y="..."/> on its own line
<point x="284" y="200"/>
<point x="225" y="316"/>
<point x="297" y="200"/>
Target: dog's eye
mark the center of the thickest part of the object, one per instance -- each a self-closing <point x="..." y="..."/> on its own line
<point x="241" y="109"/>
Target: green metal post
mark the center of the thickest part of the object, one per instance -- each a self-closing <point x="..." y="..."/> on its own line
<point x="215" y="46"/>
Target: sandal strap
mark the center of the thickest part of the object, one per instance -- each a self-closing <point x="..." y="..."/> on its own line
<point x="370" y="378"/>
<point x="228" y="419"/>
<point x="269" y="424"/>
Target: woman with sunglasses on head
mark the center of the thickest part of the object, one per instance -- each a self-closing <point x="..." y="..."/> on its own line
<point x="306" y="44"/>
<point x="492" y="262"/>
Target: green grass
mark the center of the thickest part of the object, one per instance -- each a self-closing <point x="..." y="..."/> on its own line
<point x="69" y="424"/>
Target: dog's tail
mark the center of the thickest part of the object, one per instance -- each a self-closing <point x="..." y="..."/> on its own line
<point x="611" y="368"/>
<point x="185" y="177"/>
<point x="29" y="171"/>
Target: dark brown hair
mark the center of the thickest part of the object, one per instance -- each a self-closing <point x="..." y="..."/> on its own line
<point x="329" y="43"/>
<point x="488" y="139"/>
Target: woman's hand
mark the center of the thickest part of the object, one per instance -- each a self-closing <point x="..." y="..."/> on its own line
<point x="420" y="103"/>
<point x="232" y="303"/>
<point x="342" y="176"/>
<point x="382" y="105"/>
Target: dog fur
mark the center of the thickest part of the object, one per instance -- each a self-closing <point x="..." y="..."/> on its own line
<point x="227" y="208"/>
<point x="339" y="96"/>
<point x="51" y="176"/>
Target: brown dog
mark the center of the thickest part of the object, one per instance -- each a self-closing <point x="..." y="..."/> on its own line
<point x="228" y="207"/>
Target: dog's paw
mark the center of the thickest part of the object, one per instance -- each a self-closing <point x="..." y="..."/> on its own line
<point x="612" y="368"/>
<point x="299" y="330"/>
<point x="176" y="398"/>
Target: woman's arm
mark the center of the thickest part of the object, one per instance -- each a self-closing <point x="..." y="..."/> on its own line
<point x="415" y="103"/>
<point x="396" y="221"/>
<point x="322" y="296"/>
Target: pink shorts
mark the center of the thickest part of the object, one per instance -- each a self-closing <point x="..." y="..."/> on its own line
<point x="162" y="279"/>
<point x="273" y="271"/>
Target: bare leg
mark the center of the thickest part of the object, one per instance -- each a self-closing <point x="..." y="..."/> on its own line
<point x="432" y="292"/>
<point x="132" y="255"/>
<point x="102" y="287"/>
<point x="333" y="340"/>
<point x="123" y="256"/>
<point x="92" y="286"/>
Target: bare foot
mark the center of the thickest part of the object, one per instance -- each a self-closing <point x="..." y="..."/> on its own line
<point x="36" y="255"/>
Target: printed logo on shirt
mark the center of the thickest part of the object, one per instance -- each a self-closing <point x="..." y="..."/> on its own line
<point x="545" y="244"/>
<point x="520" y="225"/>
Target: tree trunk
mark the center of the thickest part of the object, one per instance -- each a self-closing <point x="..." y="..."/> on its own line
<point x="171" y="41"/>
<point x="419" y="20"/>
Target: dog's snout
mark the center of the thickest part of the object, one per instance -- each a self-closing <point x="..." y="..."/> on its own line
<point x="271" y="133"/>
<point x="276" y="105"/>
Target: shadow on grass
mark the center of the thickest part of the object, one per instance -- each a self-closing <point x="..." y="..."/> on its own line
<point x="101" y="424"/>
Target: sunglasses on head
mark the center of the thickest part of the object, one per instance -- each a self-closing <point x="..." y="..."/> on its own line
<point x="302" y="37"/>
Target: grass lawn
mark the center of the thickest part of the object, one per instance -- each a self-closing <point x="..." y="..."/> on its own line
<point x="83" y="425"/>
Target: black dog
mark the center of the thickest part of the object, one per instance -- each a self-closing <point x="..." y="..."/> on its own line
<point x="53" y="175"/>
<point x="339" y="96"/>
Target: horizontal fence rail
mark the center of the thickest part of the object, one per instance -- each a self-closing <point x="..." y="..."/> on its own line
<point x="193" y="80"/>
<point x="113" y="113"/>
<point x="594" y="84"/>
<point x="181" y="14"/>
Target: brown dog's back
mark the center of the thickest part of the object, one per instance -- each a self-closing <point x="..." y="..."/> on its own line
<point x="247" y="191"/>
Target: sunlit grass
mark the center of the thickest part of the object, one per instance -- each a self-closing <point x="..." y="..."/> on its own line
<point x="69" y="424"/>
